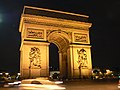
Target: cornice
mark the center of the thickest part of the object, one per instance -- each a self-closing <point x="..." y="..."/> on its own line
<point x="55" y="22"/>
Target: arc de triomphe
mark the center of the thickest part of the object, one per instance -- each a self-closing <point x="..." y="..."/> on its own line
<point x="68" y="31"/>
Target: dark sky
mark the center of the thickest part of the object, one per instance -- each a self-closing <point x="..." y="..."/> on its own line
<point x="104" y="33"/>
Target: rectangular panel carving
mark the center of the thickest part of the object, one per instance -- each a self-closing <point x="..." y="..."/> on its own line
<point x="78" y="37"/>
<point x="35" y="33"/>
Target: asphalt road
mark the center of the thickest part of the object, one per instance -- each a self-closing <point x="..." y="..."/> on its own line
<point x="85" y="85"/>
<point x="92" y="85"/>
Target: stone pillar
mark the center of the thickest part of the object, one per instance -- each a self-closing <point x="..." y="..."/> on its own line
<point x="80" y="61"/>
<point x="63" y="65"/>
<point x="71" y="64"/>
<point x="60" y="64"/>
<point x="34" y="59"/>
<point x="68" y="64"/>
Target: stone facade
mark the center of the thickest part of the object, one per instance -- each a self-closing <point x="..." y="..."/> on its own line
<point x="70" y="36"/>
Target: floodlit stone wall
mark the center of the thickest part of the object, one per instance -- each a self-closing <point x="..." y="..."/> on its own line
<point x="70" y="36"/>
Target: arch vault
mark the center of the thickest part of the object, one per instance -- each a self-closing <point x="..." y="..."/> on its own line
<point x="68" y="31"/>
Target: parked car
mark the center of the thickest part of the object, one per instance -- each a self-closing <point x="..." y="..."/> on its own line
<point x="42" y="84"/>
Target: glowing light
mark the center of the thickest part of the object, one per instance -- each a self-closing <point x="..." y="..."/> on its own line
<point x="58" y="82"/>
<point x="17" y="82"/>
<point x="6" y="73"/>
<point x="45" y="84"/>
<point x="35" y="86"/>
<point x="108" y="72"/>
<point x="19" y="74"/>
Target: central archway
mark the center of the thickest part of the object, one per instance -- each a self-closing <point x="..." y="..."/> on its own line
<point x="53" y="58"/>
<point x="61" y="40"/>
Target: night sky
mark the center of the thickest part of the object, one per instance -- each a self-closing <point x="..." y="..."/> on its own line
<point x="104" y="33"/>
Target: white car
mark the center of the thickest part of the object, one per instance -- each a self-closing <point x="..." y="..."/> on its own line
<point x="12" y="84"/>
<point x="42" y="84"/>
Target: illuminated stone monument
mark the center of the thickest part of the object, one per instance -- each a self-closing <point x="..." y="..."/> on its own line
<point x="68" y="31"/>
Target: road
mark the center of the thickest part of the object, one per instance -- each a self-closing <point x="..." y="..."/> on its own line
<point x="92" y="85"/>
<point x="85" y="85"/>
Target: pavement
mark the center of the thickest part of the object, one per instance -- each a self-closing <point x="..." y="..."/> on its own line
<point x="103" y="84"/>
<point x="86" y="84"/>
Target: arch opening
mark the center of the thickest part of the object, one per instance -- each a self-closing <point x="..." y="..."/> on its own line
<point x="53" y="57"/>
<point x="62" y="43"/>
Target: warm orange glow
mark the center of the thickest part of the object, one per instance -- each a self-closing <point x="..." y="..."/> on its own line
<point x="67" y="34"/>
<point x="35" y="86"/>
<point x="108" y="72"/>
<point x="45" y="84"/>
